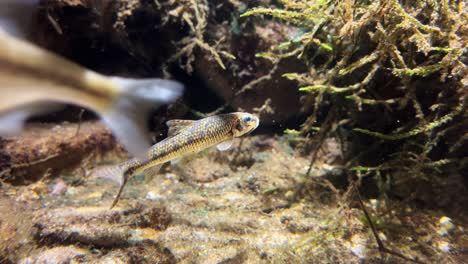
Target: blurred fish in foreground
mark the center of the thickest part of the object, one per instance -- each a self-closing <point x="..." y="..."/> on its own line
<point x="31" y="78"/>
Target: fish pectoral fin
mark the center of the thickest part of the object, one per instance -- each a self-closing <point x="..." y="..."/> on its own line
<point x="175" y="161"/>
<point x="111" y="172"/>
<point x="225" y="145"/>
<point x="151" y="172"/>
<point x="119" y="173"/>
<point x="177" y="125"/>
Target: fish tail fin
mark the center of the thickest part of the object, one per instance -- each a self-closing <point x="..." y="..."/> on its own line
<point x="117" y="197"/>
<point x="119" y="173"/>
<point x="127" y="173"/>
<point x="129" y="117"/>
<point x="111" y="172"/>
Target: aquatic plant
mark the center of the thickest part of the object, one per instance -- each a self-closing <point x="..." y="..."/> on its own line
<point x="388" y="76"/>
<point x="195" y="14"/>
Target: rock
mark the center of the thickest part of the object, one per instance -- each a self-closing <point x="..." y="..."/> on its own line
<point x="358" y="246"/>
<point x="222" y="221"/>
<point x="202" y="245"/>
<point x="59" y="188"/>
<point x="57" y="255"/>
<point x="154" y="197"/>
<point x="144" y="253"/>
<point x="445" y="226"/>
<point x="38" y="151"/>
<point x="99" y="226"/>
<point x="16" y="228"/>
<point x="444" y="246"/>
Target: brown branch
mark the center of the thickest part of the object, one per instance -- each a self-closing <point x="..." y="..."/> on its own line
<point x="380" y="244"/>
<point x="80" y="120"/>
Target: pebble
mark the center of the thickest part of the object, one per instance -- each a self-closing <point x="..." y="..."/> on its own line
<point x="358" y="246"/>
<point x="445" y="226"/>
<point x="444" y="246"/>
<point x="153" y="196"/>
<point x="60" y="187"/>
<point x="57" y="255"/>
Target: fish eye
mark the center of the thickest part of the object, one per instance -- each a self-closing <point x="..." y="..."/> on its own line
<point x="247" y="119"/>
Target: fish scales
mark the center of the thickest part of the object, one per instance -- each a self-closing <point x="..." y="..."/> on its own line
<point x="192" y="137"/>
<point x="202" y="134"/>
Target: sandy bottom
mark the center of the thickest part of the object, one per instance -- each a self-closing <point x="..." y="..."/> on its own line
<point x="251" y="204"/>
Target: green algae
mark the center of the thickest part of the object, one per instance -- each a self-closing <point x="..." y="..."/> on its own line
<point x="368" y="59"/>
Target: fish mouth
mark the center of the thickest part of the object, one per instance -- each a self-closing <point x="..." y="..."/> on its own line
<point x="257" y="122"/>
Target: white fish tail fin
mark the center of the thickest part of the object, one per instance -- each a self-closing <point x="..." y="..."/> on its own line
<point x="119" y="173"/>
<point x="16" y="15"/>
<point x="12" y="124"/>
<point x="129" y="118"/>
<point x="111" y="172"/>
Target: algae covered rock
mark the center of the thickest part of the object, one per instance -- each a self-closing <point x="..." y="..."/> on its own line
<point x="99" y="226"/>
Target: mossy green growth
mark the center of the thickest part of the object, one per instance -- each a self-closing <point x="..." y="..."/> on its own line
<point x="292" y="132"/>
<point x="390" y="72"/>
<point x="419" y="71"/>
<point x="436" y="123"/>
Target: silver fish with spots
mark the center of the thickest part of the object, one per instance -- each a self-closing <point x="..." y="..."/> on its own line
<point x="186" y="137"/>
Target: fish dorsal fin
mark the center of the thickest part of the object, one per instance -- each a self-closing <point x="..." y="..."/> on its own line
<point x="225" y="145"/>
<point x="177" y="125"/>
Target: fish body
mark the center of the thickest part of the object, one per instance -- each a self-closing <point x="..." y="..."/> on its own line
<point x="187" y="137"/>
<point x="30" y="74"/>
<point x="31" y="78"/>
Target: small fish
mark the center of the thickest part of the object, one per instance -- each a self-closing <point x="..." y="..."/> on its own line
<point x="31" y="78"/>
<point x="186" y="137"/>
